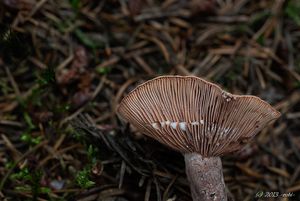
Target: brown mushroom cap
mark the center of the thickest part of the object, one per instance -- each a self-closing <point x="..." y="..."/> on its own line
<point x="190" y="114"/>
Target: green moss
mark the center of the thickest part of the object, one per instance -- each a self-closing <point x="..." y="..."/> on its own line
<point x="292" y="10"/>
<point x="23" y="174"/>
<point x="83" y="178"/>
<point x="76" y="4"/>
<point x="103" y="70"/>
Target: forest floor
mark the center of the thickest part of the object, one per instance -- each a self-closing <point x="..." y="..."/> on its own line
<point x="61" y="61"/>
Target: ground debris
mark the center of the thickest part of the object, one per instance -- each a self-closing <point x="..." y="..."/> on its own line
<point x="72" y="62"/>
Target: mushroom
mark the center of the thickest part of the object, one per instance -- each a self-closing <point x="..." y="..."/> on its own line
<point x="201" y="121"/>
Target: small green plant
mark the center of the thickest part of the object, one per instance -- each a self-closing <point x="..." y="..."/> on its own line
<point x="45" y="83"/>
<point x="9" y="164"/>
<point x="63" y="107"/>
<point x="261" y="39"/>
<point x="23" y="174"/>
<point x="26" y="137"/>
<point x="83" y="178"/>
<point x="292" y="10"/>
<point x="92" y="154"/>
<point x="103" y="70"/>
<point x="47" y="77"/>
<point x="27" y="188"/>
<point x="31" y="180"/>
<point x="28" y="121"/>
<point x="75" y="4"/>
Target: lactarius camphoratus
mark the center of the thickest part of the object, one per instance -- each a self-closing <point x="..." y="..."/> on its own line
<point x="201" y="121"/>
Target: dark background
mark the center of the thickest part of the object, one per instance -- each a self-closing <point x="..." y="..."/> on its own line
<point x="63" y="59"/>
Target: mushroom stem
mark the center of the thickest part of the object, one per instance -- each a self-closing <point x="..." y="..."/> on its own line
<point x="206" y="177"/>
